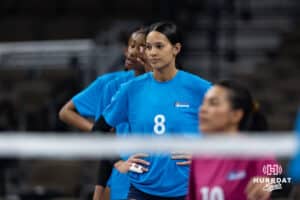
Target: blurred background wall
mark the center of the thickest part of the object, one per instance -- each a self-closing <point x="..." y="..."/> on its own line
<point x="52" y="49"/>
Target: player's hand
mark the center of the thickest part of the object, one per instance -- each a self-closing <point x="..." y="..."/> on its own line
<point x="134" y="160"/>
<point x="257" y="191"/>
<point x="182" y="156"/>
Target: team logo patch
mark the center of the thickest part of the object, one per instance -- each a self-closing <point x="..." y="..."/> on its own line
<point x="236" y="175"/>
<point x="181" y="104"/>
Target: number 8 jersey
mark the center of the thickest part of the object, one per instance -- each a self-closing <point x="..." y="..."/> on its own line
<point x="151" y="107"/>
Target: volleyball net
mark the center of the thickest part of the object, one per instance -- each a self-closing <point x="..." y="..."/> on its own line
<point x="63" y="159"/>
<point x="96" y="145"/>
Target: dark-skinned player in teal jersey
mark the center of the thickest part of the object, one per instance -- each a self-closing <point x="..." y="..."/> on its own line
<point x="86" y="107"/>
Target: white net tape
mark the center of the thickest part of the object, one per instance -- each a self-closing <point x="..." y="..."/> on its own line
<point x="93" y="146"/>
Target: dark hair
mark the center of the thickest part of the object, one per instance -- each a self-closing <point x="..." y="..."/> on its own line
<point x="240" y="98"/>
<point x="126" y="35"/>
<point x="169" y="29"/>
<point x="142" y="30"/>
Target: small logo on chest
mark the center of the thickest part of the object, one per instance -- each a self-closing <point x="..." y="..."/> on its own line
<point x="181" y="104"/>
<point x="236" y="175"/>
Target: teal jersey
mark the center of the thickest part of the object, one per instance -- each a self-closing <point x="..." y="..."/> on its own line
<point x="86" y="102"/>
<point x="90" y="103"/>
<point x="159" y="109"/>
<point x="110" y="90"/>
<point x="118" y="183"/>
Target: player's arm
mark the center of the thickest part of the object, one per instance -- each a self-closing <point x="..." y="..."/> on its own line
<point x="70" y="116"/>
<point x="134" y="163"/>
<point x="256" y="190"/>
<point x="182" y="156"/>
<point x="83" y="105"/>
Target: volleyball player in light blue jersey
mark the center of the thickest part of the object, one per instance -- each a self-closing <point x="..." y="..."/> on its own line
<point x="84" y="108"/>
<point x="113" y="86"/>
<point x="118" y="182"/>
<point x="161" y="103"/>
<point x="171" y="108"/>
<point x="104" y="100"/>
<point x="88" y="103"/>
<point x="80" y="111"/>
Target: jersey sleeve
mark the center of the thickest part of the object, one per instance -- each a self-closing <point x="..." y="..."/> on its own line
<point x="104" y="100"/>
<point x="117" y="111"/>
<point x="110" y="90"/>
<point x="86" y="101"/>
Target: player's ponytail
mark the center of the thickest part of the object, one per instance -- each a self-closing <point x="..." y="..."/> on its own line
<point x="240" y="98"/>
<point x="256" y="121"/>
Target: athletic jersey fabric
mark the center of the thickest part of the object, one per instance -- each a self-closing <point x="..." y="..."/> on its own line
<point x="159" y="109"/>
<point x="224" y="179"/>
<point x="86" y="101"/>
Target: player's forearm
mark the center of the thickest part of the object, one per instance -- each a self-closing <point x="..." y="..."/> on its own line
<point x="72" y="118"/>
<point x="79" y="122"/>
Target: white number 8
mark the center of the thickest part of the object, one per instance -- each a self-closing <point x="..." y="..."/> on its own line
<point x="159" y="127"/>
